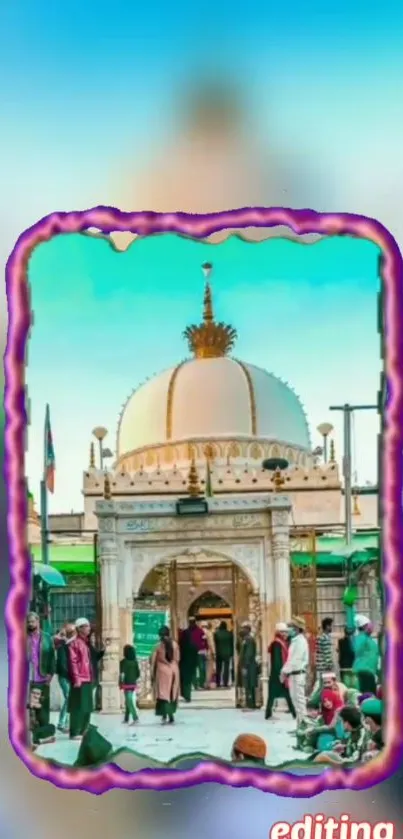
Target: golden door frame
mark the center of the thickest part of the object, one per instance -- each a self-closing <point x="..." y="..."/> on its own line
<point x="246" y="608"/>
<point x="304" y="596"/>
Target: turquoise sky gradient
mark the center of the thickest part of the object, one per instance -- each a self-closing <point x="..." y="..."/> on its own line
<point x="106" y="321"/>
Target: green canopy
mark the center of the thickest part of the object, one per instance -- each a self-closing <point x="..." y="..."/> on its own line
<point x="79" y="559"/>
<point x="68" y="559"/>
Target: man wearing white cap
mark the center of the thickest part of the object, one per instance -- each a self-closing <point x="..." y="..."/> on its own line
<point x="278" y="653"/>
<point x="80" y="699"/>
<point x="366" y="655"/>
<point x="296" y="668"/>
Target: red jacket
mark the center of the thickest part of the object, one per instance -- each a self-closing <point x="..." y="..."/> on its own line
<point x="80" y="662"/>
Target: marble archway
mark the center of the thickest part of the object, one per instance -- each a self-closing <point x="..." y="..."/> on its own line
<point x="246" y="557"/>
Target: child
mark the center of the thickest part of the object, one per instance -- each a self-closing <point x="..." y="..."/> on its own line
<point x="129" y="675"/>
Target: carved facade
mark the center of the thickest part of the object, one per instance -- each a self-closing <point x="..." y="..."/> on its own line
<point x="249" y="533"/>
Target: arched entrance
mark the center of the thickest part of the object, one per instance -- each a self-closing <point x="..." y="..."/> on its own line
<point x="210" y="606"/>
<point x="207" y="586"/>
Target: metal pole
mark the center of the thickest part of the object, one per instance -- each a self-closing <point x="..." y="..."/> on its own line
<point x="44" y="523"/>
<point x="101" y="457"/>
<point x="347" y="475"/>
<point x="347" y="411"/>
<point x="325" y="448"/>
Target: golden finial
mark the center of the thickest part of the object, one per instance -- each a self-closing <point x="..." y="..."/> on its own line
<point x="356" y="508"/>
<point x="332" y="456"/>
<point x="278" y="480"/>
<point x="193" y="481"/>
<point x="92" y="456"/>
<point x="209" y="339"/>
<point x="107" y="488"/>
<point x="208" y="316"/>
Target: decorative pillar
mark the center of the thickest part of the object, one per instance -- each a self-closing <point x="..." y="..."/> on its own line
<point x="280" y="548"/>
<point x="108" y="560"/>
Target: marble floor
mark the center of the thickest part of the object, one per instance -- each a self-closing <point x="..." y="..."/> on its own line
<point x="200" y="727"/>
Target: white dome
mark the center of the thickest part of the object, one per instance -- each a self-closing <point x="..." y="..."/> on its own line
<point x="212" y="398"/>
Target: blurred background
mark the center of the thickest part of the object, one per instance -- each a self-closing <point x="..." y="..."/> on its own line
<point x="195" y="108"/>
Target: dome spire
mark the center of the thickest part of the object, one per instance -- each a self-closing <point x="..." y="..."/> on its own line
<point x="208" y="316"/>
<point x="209" y="339"/>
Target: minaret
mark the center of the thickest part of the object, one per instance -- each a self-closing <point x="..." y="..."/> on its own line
<point x="193" y="481"/>
<point x="92" y="456"/>
<point x="107" y="488"/>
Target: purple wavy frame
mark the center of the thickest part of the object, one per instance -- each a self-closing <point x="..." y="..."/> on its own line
<point x="199" y="227"/>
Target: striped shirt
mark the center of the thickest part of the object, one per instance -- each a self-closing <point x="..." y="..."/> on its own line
<point x="324" y="654"/>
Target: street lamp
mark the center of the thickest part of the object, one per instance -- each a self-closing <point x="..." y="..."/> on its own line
<point x="324" y="429"/>
<point x="100" y="433"/>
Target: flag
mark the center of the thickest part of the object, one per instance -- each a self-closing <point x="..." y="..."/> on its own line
<point x="209" y="488"/>
<point x="49" y="455"/>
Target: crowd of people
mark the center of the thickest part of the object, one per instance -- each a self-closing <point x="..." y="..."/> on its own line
<point x="73" y="658"/>
<point x="340" y="719"/>
<point x="332" y="691"/>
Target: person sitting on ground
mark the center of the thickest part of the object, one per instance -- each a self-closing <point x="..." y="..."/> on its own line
<point x="129" y="673"/>
<point x="372" y="711"/>
<point x="329" y="682"/>
<point x="40" y="734"/>
<point x="352" y="748"/>
<point x="323" y="732"/>
<point x="351" y="698"/>
<point x="249" y="748"/>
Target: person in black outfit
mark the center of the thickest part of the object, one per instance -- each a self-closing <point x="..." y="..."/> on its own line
<point x="97" y="654"/>
<point x="224" y="644"/>
<point x="346" y="658"/>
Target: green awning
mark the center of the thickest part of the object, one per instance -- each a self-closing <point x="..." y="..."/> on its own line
<point x="79" y="559"/>
<point x="68" y="559"/>
<point x="360" y="542"/>
<point x="331" y="559"/>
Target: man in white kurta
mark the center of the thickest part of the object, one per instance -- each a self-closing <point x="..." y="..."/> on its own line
<point x="296" y="667"/>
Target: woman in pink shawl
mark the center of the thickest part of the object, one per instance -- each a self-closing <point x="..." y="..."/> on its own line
<point x="165" y="676"/>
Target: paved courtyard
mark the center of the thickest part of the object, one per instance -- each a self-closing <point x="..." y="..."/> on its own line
<point x="198" y="728"/>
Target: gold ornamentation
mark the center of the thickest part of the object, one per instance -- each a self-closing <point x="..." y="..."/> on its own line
<point x="170" y="400"/>
<point x="107" y="488"/>
<point x="196" y="578"/>
<point x="356" y="506"/>
<point x="193" y="481"/>
<point x="332" y="456"/>
<point x="252" y="400"/>
<point x="169" y="455"/>
<point x="256" y="451"/>
<point x="210" y="452"/>
<point x="234" y="450"/>
<point x="150" y="458"/>
<point x="210" y="339"/>
<point x="278" y="480"/>
<point x="92" y="456"/>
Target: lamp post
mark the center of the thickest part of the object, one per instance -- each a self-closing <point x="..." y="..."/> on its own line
<point x="324" y="429"/>
<point x="347" y="411"/>
<point x="100" y="433"/>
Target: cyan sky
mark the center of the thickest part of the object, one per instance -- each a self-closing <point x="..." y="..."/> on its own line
<point x="105" y="321"/>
